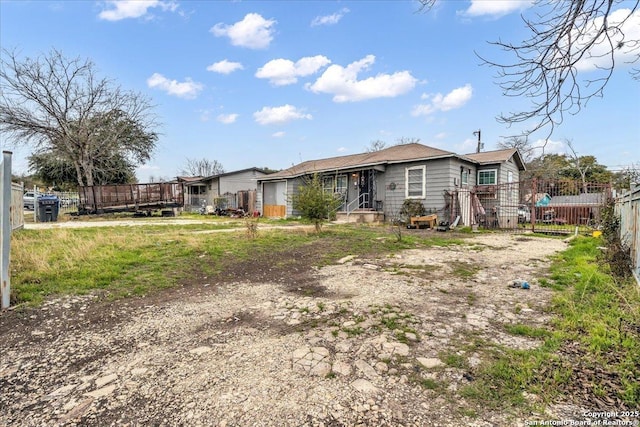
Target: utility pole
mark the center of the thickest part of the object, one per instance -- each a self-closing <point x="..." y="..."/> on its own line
<point x="480" y="146"/>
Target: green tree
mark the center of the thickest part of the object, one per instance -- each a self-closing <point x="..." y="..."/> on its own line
<point x="313" y="202"/>
<point x="59" y="172"/>
<point x="622" y="180"/>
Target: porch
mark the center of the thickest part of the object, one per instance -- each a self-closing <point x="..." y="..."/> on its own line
<point x="360" y="216"/>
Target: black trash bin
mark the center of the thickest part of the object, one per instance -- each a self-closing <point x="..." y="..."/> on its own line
<point x="48" y="207"/>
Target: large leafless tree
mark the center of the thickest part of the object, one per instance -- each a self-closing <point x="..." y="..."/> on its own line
<point x="568" y="58"/>
<point x="60" y="106"/>
<point x="201" y="167"/>
<point x="522" y="143"/>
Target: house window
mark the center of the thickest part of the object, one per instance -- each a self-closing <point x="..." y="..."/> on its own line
<point x="342" y="183"/>
<point x="487" y="177"/>
<point x="509" y="176"/>
<point x="415" y="182"/>
<point x="327" y="184"/>
<point x="464" y="177"/>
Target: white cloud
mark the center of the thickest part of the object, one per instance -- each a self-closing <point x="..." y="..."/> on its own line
<point x="438" y="102"/>
<point x="124" y="9"/>
<point x="253" y="32"/>
<point x="441" y="135"/>
<point x="282" y="72"/>
<point x="283" y="114"/>
<point x="279" y="134"/>
<point x="627" y="39"/>
<point x="468" y="146"/>
<point x="343" y="83"/>
<point x="542" y="146"/>
<point x="342" y="150"/>
<point x="227" y="119"/>
<point x="329" y="19"/>
<point x="205" y="115"/>
<point x="187" y="89"/>
<point x="496" y="8"/>
<point x="225" y="67"/>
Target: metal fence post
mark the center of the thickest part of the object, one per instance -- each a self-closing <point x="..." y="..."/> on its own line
<point x="5" y="227"/>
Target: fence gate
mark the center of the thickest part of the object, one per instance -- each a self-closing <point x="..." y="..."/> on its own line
<point x="546" y="206"/>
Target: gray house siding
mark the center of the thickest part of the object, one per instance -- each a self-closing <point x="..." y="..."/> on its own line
<point x="438" y="177"/>
<point x="241" y="181"/>
<point x="391" y="176"/>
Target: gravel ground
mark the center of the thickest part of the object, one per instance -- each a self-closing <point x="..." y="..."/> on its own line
<point x="365" y="342"/>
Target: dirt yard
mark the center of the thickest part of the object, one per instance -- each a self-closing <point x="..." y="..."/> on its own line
<point x="277" y="342"/>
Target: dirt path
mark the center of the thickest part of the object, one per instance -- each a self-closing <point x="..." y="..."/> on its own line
<point x="372" y="342"/>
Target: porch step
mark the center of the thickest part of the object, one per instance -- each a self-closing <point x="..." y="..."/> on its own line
<point x="360" y="216"/>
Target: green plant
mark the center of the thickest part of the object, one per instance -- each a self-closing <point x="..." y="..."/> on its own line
<point x="429" y="383"/>
<point x="465" y="270"/>
<point x="411" y="207"/>
<point x="315" y="204"/>
<point x="527" y="331"/>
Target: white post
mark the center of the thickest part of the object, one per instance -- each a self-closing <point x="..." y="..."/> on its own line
<point x="35" y="203"/>
<point x="5" y="227"/>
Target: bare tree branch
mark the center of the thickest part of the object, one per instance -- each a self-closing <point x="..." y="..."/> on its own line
<point x="568" y="40"/>
<point x="201" y="167"/>
<point x="60" y="106"/>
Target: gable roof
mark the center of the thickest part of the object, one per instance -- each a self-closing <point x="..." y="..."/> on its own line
<point x="199" y="180"/>
<point x="497" y="156"/>
<point x="254" y="169"/>
<point x="395" y="154"/>
<point x="188" y="179"/>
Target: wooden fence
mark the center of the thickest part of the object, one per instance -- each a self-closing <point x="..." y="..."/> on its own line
<point x="627" y="207"/>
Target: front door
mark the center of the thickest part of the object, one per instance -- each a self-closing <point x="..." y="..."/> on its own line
<point x="366" y="189"/>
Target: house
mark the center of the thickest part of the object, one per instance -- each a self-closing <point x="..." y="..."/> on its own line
<point x="580" y="209"/>
<point x="539" y="199"/>
<point x="381" y="181"/>
<point x="229" y="190"/>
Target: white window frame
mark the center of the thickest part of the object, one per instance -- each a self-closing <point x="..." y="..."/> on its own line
<point x="344" y="179"/>
<point x="423" y="192"/>
<point x="495" y="176"/>
<point x="464" y="178"/>
<point x="330" y="181"/>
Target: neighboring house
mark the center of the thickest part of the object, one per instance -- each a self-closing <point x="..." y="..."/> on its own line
<point x="541" y="199"/>
<point x="579" y="209"/>
<point x="229" y="190"/>
<point x="381" y="181"/>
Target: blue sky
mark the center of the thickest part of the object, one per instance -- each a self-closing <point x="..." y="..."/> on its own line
<point x="274" y="83"/>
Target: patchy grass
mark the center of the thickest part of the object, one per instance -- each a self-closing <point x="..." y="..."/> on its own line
<point x="127" y="261"/>
<point x="465" y="270"/>
<point x="593" y="351"/>
<point x="526" y="331"/>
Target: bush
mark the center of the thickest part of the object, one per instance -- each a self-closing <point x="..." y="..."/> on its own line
<point x="314" y="203"/>
<point x="410" y="208"/>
